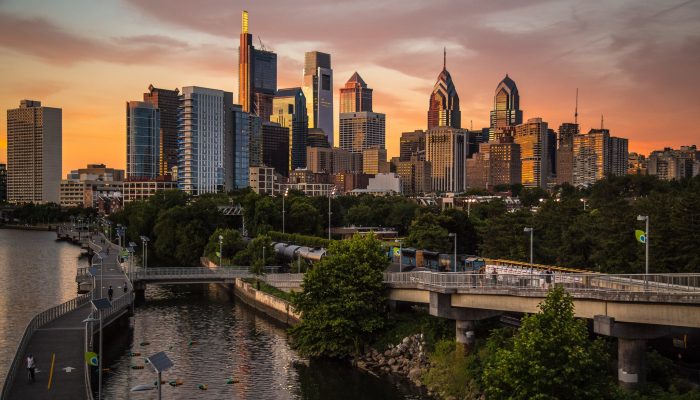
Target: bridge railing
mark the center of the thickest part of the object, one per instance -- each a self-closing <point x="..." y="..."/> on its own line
<point x="170" y="273"/>
<point x="37" y="322"/>
<point x="656" y="283"/>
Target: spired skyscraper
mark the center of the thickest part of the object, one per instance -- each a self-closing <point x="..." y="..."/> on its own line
<point x="506" y="112"/>
<point x="257" y="75"/>
<point x="355" y="96"/>
<point x="318" y="89"/>
<point x="444" y="101"/>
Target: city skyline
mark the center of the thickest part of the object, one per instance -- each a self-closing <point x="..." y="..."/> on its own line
<point x="615" y="54"/>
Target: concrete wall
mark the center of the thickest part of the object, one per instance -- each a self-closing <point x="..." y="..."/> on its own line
<point x="270" y="305"/>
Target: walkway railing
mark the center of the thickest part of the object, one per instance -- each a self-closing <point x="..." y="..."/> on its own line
<point x="37" y="322"/>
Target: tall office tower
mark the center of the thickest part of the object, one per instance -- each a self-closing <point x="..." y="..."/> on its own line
<point x="289" y="110"/>
<point x="167" y="103"/>
<point x="565" y="152"/>
<point x="412" y="143"/>
<point x="33" y="153"/>
<point x="355" y="96"/>
<point x="142" y="140"/>
<point x="345" y="161"/>
<point x="275" y="140"/>
<point x="415" y="176"/>
<point x="317" y="138"/>
<point x="3" y="182"/>
<point x="443" y="109"/>
<point x="205" y="117"/>
<point x="257" y="75"/>
<point x="361" y="130"/>
<point x="552" y="154"/>
<point x="506" y="112"/>
<point x="319" y="160"/>
<point x="590" y="157"/>
<point x="374" y="161"/>
<point x="255" y="140"/>
<point x="446" y="150"/>
<point x="318" y="89"/>
<point x="237" y="150"/>
<point x="533" y="138"/>
<point x="496" y="163"/>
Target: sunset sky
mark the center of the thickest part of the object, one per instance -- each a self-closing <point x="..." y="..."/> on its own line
<point x="636" y="62"/>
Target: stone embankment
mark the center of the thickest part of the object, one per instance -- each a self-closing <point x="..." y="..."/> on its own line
<point x="409" y="358"/>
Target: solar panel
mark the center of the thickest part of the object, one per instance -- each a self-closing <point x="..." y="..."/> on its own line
<point x="160" y="362"/>
<point x="101" y="304"/>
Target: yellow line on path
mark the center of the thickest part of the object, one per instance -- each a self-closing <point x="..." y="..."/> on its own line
<point x="53" y="358"/>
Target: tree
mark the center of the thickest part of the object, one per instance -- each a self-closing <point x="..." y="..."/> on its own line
<point x="427" y="233"/>
<point x="551" y="357"/>
<point x="342" y="304"/>
<point x="303" y="217"/>
<point x="231" y="244"/>
<point x="256" y="248"/>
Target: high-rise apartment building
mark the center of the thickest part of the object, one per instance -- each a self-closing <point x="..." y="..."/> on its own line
<point x="289" y="110"/>
<point x="506" y="112"/>
<point x="533" y="139"/>
<point x="636" y="164"/>
<point x="167" y="103"/>
<point x="257" y="75"/>
<point x="443" y="109"/>
<point x="446" y="150"/>
<point x="318" y="89"/>
<point x="205" y="117"/>
<point x="670" y="164"/>
<point x="412" y="144"/>
<point x="3" y="182"/>
<point x="355" y="96"/>
<point x="142" y="140"/>
<point x="34" y="146"/>
<point x="360" y="131"/>
<point x="275" y="142"/>
<point x="565" y="153"/>
<point x="597" y="155"/>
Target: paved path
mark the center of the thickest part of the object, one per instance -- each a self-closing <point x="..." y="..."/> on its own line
<point x="64" y="338"/>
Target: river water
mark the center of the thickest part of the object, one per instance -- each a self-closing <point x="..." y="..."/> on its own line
<point x="209" y="336"/>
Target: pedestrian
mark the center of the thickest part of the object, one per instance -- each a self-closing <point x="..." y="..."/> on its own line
<point x="548" y="278"/>
<point x="31" y="368"/>
<point x="110" y="292"/>
<point x="494" y="276"/>
<point x="125" y="287"/>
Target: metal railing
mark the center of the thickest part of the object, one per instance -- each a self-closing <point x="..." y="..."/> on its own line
<point x="37" y="322"/>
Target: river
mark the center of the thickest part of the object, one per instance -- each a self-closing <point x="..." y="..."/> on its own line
<point x="209" y="336"/>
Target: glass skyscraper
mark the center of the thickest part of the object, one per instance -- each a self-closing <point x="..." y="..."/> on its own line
<point x="142" y="140"/>
<point x="318" y="89"/>
<point x="257" y="75"/>
<point x="289" y="110"/>
<point x="506" y="112"/>
<point x="167" y="102"/>
<point x="355" y="96"/>
<point x="443" y="109"/>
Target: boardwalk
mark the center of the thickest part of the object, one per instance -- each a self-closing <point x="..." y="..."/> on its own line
<point x="64" y="339"/>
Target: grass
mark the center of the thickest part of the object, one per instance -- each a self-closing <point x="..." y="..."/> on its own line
<point x="271" y="290"/>
<point x="401" y="325"/>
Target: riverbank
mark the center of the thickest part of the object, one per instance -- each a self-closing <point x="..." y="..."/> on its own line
<point x="48" y="228"/>
<point x="266" y="303"/>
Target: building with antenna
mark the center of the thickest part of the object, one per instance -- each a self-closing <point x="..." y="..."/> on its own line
<point x="257" y="74"/>
<point x="443" y="109"/>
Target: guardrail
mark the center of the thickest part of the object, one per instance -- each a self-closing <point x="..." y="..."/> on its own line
<point x="37" y="322"/>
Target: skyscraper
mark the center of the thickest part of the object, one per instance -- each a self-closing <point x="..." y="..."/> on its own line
<point x="496" y="163"/>
<point x="34" y="148"/>
<point x="446" y="150"/>
<point x="142" y="140"/>
<point x="532" y="137"/>
<point x="597" y="155"/>
<point x="565" y="152"/>
<point x="361" y="130"/>
<point x="205" y="120"/>
<point x="318" y="89"/>
<point x="355" y="96"/>
<point x="237" y="150"/>
<point x="443" y="109"/>
<point x="374" y="161"/>
<point x="167" y="102"/>
<point x="257" y="75"/>
<point x="506" y="112"/>
<point x="412" y="144"/>
<point x="289" y="110"/>
<point x="275" y="143"/>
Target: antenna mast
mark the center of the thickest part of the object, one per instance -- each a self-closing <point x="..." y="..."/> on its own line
<point x="576" y="110"/>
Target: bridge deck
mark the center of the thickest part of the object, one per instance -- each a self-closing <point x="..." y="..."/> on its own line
<point x="65" y="337"/>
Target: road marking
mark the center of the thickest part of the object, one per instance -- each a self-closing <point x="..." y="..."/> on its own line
<point x="53" y="359"/>
<point x="68" y="369"/>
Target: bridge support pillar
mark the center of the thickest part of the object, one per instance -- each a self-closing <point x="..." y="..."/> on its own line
<point x="465" y="335"/>
<point x="631" y="347"/>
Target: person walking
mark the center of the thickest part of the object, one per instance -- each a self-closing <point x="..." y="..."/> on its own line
<point x="110" y="293"/>
<point x="548" y="277"/>
<point x="126" y="288"/>
<point x="31" y="368"/>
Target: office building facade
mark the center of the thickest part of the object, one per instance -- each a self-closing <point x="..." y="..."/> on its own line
<point x="257" y="75"/>
<point x="237" y="149"/>
<point x="565" y="153"/>
<point x="34" y="146"/>
<point x="374" y="161"/>
<point x="597" y="155"/>
<point x="533" y="139"/>
<point x="318" y="90"/>
<point x="142" y="140"/>
<point x="412" y="144"/>
<point x="415" y="177"/>
<point x="506" y="112"/>
<point x="167" y="103"/>
<point x="362" y="130"/>
<point x="496" y="163"/>
<point x="289" y="110"/>
<point x="671" y="164"/>
<point x="446" y="150"/>
<point x="443" y="108"/>
<point x="355" y="96"/>
<point x="276" y="147"/>
<point x="3" y="182"/>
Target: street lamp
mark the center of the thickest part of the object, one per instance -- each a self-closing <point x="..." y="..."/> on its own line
<point x="145" y="241"/>
<point x="454" y="266"/>
<point x="99" y="257"/>
<point x="585" y="203"/>
<point x="99" y="305"/>
<point x="330" y="194"/>
<point x="400" y="256"/>
<point x="645" y="218"/>
<point x="286" y="192"/>
<point x="531" y="230"/>
<point x="221" y="251"/>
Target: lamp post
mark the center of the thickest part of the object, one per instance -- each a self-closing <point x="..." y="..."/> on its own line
<point x="145" y="241"/>
<point x="531" y="230"/>
<point x="286" y="192"/>
<point x="400" y="256"/>
<point x="645" y="218"/>
<point x="585" y="203"/>
<point x="454" y="266"/>
<point x="99" y="305"/>
<point x="330" y="194"/>
<point x="99" y="257"/>
<point x="221" y="251"/>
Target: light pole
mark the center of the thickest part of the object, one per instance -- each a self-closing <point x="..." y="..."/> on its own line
<point x="99" y="305"/>
<point x="454" y="266"/>
<point x="286" y="191"/>
<point x="645" y="218"/>
<point x="400" y="256"/>
<point x="531" y="230"/>
<point x="99" y="257"/>
<point x="585" y="203"/>
<point x="221" y="251"/>
<point x="330" y="194"/>
<point x="145" y="241"/>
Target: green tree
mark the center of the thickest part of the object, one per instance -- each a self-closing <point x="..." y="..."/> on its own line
<point x="303" y="217"/>
<point x="427" y="233"/>
<point x="551" y="357"/>
<point x="342" y="304"/>
<point x="231" y="244"/>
